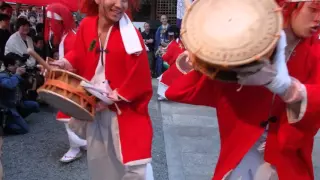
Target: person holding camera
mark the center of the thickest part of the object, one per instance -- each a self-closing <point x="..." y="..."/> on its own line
<point x="11" y="96"/>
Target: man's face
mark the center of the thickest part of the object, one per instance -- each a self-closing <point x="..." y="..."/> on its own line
<point x="13" y="68"/>
<point x="24" y="29"/>
<point x="32" y="20"/>
<point x="7" y="11"/>
<point x="164" y="20"/>
<point x="305" y="21"/>
<point x="39" y="44"/>
<point x="146" y="27"/>
<point x="112" y="10"/>
<point x="5" y="24"/>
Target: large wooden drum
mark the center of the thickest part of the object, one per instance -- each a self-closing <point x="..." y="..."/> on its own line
<point x="63" y="91"/>
<point x="224" y="34"/>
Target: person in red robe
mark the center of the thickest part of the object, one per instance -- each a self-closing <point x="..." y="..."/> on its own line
<point x="174" y="50"/>
<point x="63" y="29"/>
<point x="267" y="126"/>
<point x="109" y="50"/>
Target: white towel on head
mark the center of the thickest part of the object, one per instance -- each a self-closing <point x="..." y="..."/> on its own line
<point x="129" y="36"/>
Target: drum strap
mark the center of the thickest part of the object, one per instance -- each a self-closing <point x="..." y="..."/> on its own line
<point x="73" y="90"/>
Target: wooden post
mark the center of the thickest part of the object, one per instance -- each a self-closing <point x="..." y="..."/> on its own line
<point x="153" y="14"/>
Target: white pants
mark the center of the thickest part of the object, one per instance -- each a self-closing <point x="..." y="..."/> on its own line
<point x="253" y="166"/>
<point x="104" y="152"/>
<point x="74" y="140"/>
<point x="162" y="88"/>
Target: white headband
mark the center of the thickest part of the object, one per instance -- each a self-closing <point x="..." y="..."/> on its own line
<point x="54" y="16"/>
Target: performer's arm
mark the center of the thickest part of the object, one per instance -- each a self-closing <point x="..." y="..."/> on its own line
<point x="195" y="88"/>
<point x="168" y="55"/>
<point x="138" y="82"/>
<point x="303" y="100"/>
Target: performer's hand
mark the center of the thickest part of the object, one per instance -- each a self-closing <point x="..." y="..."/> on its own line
<point x="274" y="76"/>
<point x="113" y="95"/>
<point x="61" y="64"/>
<point x="101" y="106"/>
<point x="258" y="75"/>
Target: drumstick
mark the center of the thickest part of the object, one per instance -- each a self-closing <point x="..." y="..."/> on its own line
<point x="39" y="59"/>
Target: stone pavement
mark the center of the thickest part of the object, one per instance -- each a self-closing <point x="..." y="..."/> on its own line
<point x="192" y="141"/>
<point x="35" y="156"/>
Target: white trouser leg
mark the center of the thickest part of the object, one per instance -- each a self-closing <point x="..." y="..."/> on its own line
<point x="138" y="172"/>
<point x="74" y="140"/>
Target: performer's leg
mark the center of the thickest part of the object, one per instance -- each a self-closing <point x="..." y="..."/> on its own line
<point x="75" y="143"/>
<point x="162" y="88"/>
<point x="253" y="167"/>
<point x="137" y="172"/>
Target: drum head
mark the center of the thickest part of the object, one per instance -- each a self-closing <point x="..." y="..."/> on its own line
<point x="231" y="32"/>
<point x="65" y="105"/>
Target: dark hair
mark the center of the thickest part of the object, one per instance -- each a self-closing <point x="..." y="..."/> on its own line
<point x="10" y="59"/>
<point x="21" y="21"/>
<point x="4" y="17"/>
<point x="36" y="39"/>
<point x="39" y="27"/>
<point x="5" y="6"/>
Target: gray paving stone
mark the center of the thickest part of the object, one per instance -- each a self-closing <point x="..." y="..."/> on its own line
<point x="196" y="131"/>
<point x="197" y="177"/>
<point x="195" y="159"/>
<point x="198" y="170"/>
<point x="194" y="120"/>
<point x="197" y="145"/>
<point x="173" y="155"/>
<point x="176" y="175"/>
<point x="172" y="148"/>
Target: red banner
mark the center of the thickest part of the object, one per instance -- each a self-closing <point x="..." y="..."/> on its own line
<point x="73" y="5"/>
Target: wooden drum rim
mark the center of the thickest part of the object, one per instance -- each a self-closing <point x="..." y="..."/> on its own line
<point x="220" y="54"/>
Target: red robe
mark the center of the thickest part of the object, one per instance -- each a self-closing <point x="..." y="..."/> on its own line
<point x="129" y="74"/>
<point x="241" y="116"/>
<point x="67" y="44"/>
<point x="173" y="51"/>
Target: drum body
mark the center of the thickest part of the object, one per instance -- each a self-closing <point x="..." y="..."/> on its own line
<point x="224" y="34"/>
<point x="63" y="91"/>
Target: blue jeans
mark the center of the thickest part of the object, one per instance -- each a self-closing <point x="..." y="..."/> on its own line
<point x="16" y="123"/>
<point x="159" y="65"/>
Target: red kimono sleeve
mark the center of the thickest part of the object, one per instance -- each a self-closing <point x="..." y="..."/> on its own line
<point x="310" y="110"/>
<point x="195" y="88"/>
<point x="69" y="42"/>
<point x="138" y="82"/>
<point x="169" y="54"/>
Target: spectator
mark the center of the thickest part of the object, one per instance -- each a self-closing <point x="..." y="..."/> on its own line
<point x="6" y="8"/>
<point x="38" y="45"/>
<point x="149" y="41"/>
<point x="11" y="96"/>
<point x="56" y="55"/>
<point x="19" y="42"/>
<point x="161" y="42"/>
<point x="4" y="33"/>
<point x="39" y="28"/>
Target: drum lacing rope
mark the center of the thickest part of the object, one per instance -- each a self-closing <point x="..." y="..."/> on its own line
<point x="118" y="109"/>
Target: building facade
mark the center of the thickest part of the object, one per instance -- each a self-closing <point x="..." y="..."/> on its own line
<point x="151" y="10"/>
